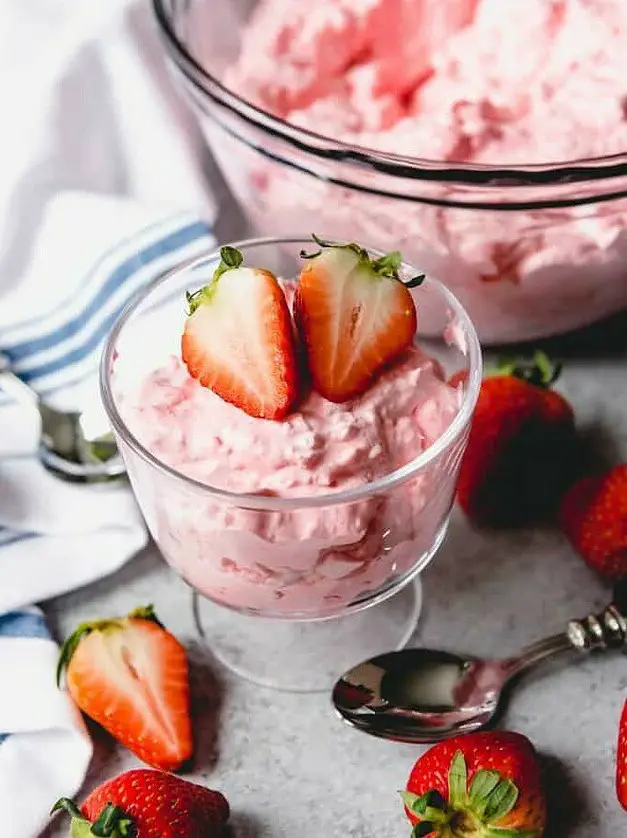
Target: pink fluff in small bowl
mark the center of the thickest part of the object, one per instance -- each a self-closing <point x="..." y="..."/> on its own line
<point x="332" y="509"/>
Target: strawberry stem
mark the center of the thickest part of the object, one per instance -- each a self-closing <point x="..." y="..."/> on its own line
<point x="67" y="805"/>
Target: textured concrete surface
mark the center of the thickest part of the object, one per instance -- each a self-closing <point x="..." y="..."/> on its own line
<point x="291" y="769"/>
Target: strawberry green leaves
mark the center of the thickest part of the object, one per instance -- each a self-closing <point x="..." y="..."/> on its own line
<point x="538" y="370"/>
<point x="387" y="266"/>
<point x="483" y="784"/>
<point x="230" y="259"/>
<point x="112" y="822"/>
<point x="430" y="806"/>
<point x="457" y="780"/>
<point x="500" y="801"/>
<point x="473" y="810"/>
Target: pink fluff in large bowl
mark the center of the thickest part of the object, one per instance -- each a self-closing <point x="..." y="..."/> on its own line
<point x="486" y="139"/>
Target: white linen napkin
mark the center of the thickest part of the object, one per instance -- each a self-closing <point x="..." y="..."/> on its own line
<point x="49" y="749"/>
<point x="100" y="192"/>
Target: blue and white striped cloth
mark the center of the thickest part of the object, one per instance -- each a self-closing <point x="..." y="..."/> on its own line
<point x="60" y="346"/>
<point x="93" y="254"/>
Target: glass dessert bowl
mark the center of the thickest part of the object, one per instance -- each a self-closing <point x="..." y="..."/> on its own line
<point x="503" y="172"/>
<point x="290" y="531"/>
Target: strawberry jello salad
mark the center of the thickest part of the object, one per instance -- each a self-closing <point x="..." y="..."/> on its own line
<point x="290" y="393"/>
<point x="491" y="82"/>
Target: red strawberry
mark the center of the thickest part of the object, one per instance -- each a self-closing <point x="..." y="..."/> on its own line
<point x="482" y="785"/>
<point x="148" y="804"/>
<point x="621" y="760"/>
<point x="593" y="515"/>
<point x="239" y="340"/>
<point x="522" y="449"/>
<point x="354" y="314"/>
<point x="130" y="675"/>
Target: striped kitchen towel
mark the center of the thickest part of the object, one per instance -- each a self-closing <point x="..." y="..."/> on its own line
<point x="94" y="253"/>
<point x="44" y="747"/>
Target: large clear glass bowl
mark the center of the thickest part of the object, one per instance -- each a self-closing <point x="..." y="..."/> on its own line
<point x="286" y="558"/>
<point x="530" y="251"/>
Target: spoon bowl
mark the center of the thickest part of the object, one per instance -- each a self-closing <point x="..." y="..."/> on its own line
<point x="427" y="695"/>
<point x="420" y="695"/>
<point x="76" y="446"/>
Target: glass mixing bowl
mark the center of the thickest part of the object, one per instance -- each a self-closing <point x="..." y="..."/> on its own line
<point x="530" y="251"/>
<point x="260" y="561"/>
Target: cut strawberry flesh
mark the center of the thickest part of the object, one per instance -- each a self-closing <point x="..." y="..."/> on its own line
<point x="134" y="681"/>
<point x="240" y="344"/>
<point x="353" y="322"/>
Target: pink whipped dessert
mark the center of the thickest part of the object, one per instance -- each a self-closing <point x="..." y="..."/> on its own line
<point x="481" y="81"/>
<point x="471" y="81"/>
<point x="301" y="558"/>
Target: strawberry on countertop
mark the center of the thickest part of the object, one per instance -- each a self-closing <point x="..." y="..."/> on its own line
<point x="130" y="675"/>
<point x="148" y="804"/>
<point x="593" y="516"/>
<point x="239" y="340"/>
<point x="522" y="451"/>
<point x="621" y="760"/>
<point x="355" y="316"/>
<point x="483" y="785"/>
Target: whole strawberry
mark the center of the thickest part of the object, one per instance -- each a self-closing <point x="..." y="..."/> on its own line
<point x="621" y="760"/>
<point x="148" y="804"/>
<point x="483" y="785"/>
<point x="593" y="516"/>
<point x="130" y="675"/>
<point x="522" y="449"/>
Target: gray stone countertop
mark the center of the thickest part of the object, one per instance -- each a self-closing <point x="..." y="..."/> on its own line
<point x="290" y="768"/>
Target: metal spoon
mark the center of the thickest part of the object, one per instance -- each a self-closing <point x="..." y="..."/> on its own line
<point x="77" y="446"/>
<point x="427" y="695"/>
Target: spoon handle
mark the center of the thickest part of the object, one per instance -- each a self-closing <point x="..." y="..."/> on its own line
<point x="606" y="630"/>
<point x="14" y="386"/>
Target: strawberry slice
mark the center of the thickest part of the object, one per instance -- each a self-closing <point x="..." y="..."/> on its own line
<point x="130" y="675"/>
<point x="238" y="339"/>
<point x="355" y="316"/>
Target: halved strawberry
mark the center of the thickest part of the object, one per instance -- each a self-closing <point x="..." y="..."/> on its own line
<point x="238" y="339"/>
<point x="355" y="316"/>
<point x="130" y="675"/>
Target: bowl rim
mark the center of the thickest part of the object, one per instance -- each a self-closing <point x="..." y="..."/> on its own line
<point x="554" y="173"/>
<point x="253" y="501"/>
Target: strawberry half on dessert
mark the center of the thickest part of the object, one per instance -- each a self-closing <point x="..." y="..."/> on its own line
<point x="238" y="339"/>
<point x="355" y="316"/>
